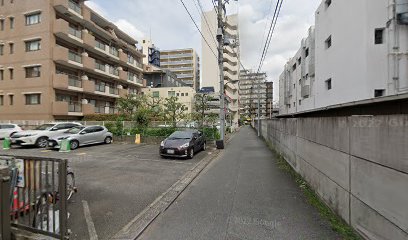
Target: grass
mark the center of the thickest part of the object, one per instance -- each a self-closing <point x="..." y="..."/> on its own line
<point x="336" y="222"/>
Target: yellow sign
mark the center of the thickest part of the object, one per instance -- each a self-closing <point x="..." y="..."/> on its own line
<point x="137" y="139"/>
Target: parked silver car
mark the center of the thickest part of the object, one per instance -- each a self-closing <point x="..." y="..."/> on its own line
<point x="8" y="129"/>
<point x="81" y="136"/>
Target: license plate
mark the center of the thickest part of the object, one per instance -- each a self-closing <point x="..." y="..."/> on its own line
<point x="170" y="151"/>
<point x="13" y="141"/>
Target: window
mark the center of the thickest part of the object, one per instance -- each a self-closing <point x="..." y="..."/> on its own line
<point x="11" y="45"/>
<point x="186" y="94"/>
<point x="294" y="67"/>
<point x="1" y="75"/>
<point x="171" y="93"/>
<point x="11" y="23"/>
<point x="100" y="44"/>
<point x="11" y="1"/>
<point x="299" y="61"/>
<point x="379" y="92"/>
<point x="1" y="50"/>
<point x="2" y="2"/>
<point x="300" y="102"/>
<point x="328" y="42"/>
<point x="379" y="36"/>
<point x="114" y="51"/>
<point x="178" y="94"/>
<point x="11" y="100"/>
<point x="100" y="65"/>
<point x="1" y="100"/>
<point x="32" y="19"/>
<point x="182" y="94"/>
<point x="328" y="84"/>
<point x="307" y="52"/>
<point x="32" y="72"/>
<point x="11" y="73"/>
<point x="156" y="94"/>
<point x="2" y="24"/>
<point x="33" y="45"/>
<point x="33" y="99"/>
<point x="328" y="3"/>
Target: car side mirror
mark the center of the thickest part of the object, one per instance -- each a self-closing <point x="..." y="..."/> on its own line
<point x="82" y="133"/>
<point x="53" y="129"/>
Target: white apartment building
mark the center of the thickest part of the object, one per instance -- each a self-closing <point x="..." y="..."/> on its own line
<point x="360" y="53"/>
<point x="252" y="86"/>
<point x="210" y="73"/>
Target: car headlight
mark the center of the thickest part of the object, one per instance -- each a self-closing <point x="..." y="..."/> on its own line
<point x="185" y="145"/>
<point x="162" y="144"/>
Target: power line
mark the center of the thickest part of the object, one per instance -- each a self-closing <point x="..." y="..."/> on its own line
<point x="266" y="25"/>
<point x="200" y="10"/>
<point x="270" y="33"/>
<point x="185" y="7"/>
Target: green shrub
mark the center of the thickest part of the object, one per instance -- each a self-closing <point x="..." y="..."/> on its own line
<point x="101" y="117"/>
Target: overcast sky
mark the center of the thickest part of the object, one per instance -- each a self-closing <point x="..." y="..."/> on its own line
<point x="170" y="27"/>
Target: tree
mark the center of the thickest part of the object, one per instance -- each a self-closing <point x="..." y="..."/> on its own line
<point x="129" y="104"/>
<point x="155" y="106"/>
<point x="201" y="104"/>
<point x="174" y="110"/>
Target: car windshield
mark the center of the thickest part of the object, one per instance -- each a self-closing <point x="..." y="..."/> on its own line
<point x="74" y="130"/>
<point x="181" y="135"/>
<point x="44" y="127"/>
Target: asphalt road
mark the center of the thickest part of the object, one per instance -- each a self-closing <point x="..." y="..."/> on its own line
<point x="241" y="195"/>
<point x="116" y="182"/>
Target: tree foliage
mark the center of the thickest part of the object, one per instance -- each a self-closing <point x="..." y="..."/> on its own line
<point x="174" y="110"/>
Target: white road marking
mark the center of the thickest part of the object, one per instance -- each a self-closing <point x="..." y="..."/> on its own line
<point x="89" y="222"/>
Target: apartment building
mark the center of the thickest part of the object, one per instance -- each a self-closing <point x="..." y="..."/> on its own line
<point x="185" y="95"/>
<point x="355" y="53"/>
<point x="61" y="60"/>
<point x="253" y="86"/>
<point x="185" y="63"/>
<point x="210" y="75"/>
<point x="269" y="99"/>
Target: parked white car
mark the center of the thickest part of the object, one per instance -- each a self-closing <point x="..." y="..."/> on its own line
<point x="7" y="129"/>
<point x="40" y="135"/>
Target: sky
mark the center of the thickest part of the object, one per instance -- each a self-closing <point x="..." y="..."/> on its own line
<point x="168" y="25"/>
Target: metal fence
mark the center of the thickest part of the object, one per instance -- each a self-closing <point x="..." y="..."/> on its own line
<point x="37" y="197"/>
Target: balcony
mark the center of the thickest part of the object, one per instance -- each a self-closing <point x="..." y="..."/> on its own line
<point x="123" y="75"/>
<point x="184" y="75"/>
<point x="135" y="65"/>
<point x="64" y="31"/>
<point x="305" y="91"/>
<point x="123" y="93"/>
<point x="166" y="63"/>
<point x="99" y="109"/>
<point x="123" y="57"/>
<point x="88" y="86"/>
<point x="181" y="69"/>
<point x="67" y="109"/>
<point x="88" y="39"/>
<point x="67" y="57"/>
<point x="69" y="8"/>
<point x="176" y="56"/>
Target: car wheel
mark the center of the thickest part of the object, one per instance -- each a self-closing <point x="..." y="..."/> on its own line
<point x="41" y="142"/>
<point x="74" y="145"/>
<point x="191" y="153"/>
<point x="108" y="140"/>
<point x="204" y="146"/>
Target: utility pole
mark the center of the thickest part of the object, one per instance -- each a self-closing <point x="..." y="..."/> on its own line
<point x="220" y="39"/>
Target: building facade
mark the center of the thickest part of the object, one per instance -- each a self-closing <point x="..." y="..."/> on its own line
<point x="61" y="60"/>
<point x="210" y="75"/>
<point x="185" y="63"/>
<point x="355" y="54"/>
<point x="156" y="77"/>
<point x="253" y="86"/>
<point x="185" y="95"/>
<point x="269" y="100"/>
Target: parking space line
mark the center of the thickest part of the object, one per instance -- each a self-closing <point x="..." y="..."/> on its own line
<point x="89" y="222"/>
<point x="168" y="161"/>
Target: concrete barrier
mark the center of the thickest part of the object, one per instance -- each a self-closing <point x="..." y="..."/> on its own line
<point x="358" y="165"/>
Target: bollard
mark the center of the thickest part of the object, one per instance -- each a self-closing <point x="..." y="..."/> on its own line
<point x="65" y="146"/>
<point x="137" y="139"/>
<point x="6" y="144"/>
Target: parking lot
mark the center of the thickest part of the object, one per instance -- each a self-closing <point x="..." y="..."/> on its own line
<point x="115" y="183"/>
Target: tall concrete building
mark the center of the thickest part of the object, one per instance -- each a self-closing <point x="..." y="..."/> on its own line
<point x="61" y="60"/>
<point x="253" y="86"/>
<point x="352" y="54"/>
<point x="185" y="63"/>
<point x="210" y="72"/>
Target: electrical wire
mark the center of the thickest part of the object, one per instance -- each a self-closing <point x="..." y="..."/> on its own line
<point x="185" y="7"/>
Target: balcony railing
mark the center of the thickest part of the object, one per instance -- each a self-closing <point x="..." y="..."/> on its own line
<point x="100" y="88"/>
<point x="114" y="52"/>
<point x="74" y="107"/>
<point x="112" y="110"/>
<point x="176" y="62"/>
<point x="75" y="6"/>
<point x="73" y="56"/>
<point x="114" y="91"/>
<point x="99" y="109"/>
<point x="114" y="71"/>
<point x="74" y="32"/>
<point x="177" y="55"/>
<point x="100" y="45"/>
<point x="138" y="80"/>
<point x="74" y="81"/>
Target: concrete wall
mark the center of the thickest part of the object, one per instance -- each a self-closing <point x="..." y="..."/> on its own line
<point x="358" y="165"/>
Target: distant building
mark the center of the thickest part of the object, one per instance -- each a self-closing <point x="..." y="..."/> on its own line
<point x="185" y="95"/>
<point x="253" y="86"/>
<point x="351" y="54"/>
<point x="269" y="99"/>
<point x="156" y="77"/>
<point x="151" y="52"/>
<point x="231" y="55"/>
<point x="185" y="63"/>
